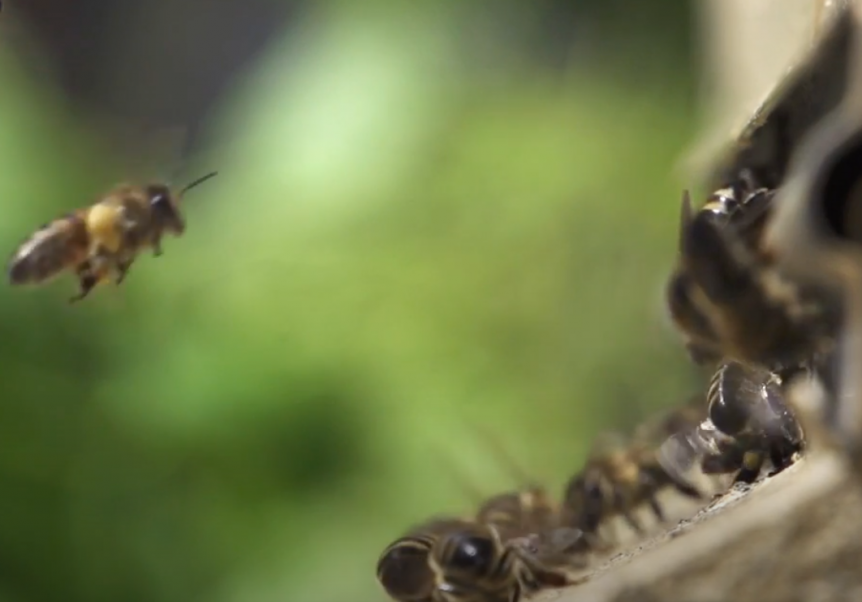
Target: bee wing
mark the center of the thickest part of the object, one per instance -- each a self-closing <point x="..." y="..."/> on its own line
<point x="560" y="546"/>
<point x="566" y="540"/>
<point x="679" y="453"/>
<point x="49" y="251"/>
<point x="670" y="422"/>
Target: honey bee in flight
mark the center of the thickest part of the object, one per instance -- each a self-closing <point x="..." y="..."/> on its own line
<point x="619" y="478"/>
<point x="453" y="560"/>
<point x="748" y="423"/>
<point x="100" y="242"/>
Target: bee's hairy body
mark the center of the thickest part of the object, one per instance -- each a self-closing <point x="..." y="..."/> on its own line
<point x="617" y="483"/>
<point x="726" y="295"/>
<point x="748" y="423"/>
<point x="454" y="560"/>
<point x="100" y="242"/>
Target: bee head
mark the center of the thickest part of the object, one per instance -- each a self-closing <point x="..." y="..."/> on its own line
<point x="469" y="554"/>
<point x="166" y="211"/>
<point x="166" y="205"/>
<point x="732" y="394"/>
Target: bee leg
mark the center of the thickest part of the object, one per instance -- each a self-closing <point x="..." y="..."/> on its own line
<point x="446" y="592"/>
<point x="781" y="456"/>
<point x="718" y="464"/>
<point x="528" y="577"/>
<point x="656" y="508"/>
<point x="730" y="460"/>
<point x="587" y="541"/>
<point x="628" y="515"/>
<point x="662" y="477"/>
<point x="122" y="268"/>
<point x="650" y="483"/>
<point x="752" y="463"/>
<point x="157" y="247"/>
<point x="515" y="595"/>
<point x="592" y="512"/>
<point x="687" y="489"/>
<point x="87" y="281"/>
<point x="621" y="506"/>
<point x="633" y="522"/>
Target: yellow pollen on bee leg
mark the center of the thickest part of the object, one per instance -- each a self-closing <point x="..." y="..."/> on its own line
<point x="102" y="227"/>
<point x="751" y="460"/>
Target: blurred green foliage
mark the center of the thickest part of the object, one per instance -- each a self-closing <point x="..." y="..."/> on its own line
<point x="418" y="228"/>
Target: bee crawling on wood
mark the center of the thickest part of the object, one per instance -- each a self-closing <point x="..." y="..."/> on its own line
<point x="453" y="560"/>
<point x="730" y="300"/>
<point x="531" y="517"/>
<point x="519" y="513"/>
<point x="620" y="477"/>
<point x="100" y="242"/>
<point x="748" y="423"/>
<point x="731" y="295"/>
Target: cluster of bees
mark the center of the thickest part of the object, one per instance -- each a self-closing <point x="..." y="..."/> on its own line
<point x="744" y="318"/>
<point x="721" y="298"/>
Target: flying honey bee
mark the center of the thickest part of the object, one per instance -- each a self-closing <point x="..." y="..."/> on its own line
<point x="453" y="560"/>
<point x="620" y="477"/>
<point x="100" y="242"/>
<point x="748" y="423"/>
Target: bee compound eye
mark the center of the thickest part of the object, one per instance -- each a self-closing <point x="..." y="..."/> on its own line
<point x="471" y="553"/>
<point x="165" y="210"/>
<point x="730" y="416"/>
<point x="735" y="389"/>
<point x="404" y="573"/>
<point x="159" y="195"/>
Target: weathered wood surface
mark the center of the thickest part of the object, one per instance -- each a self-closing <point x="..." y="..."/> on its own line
<point x="795" y="536"/>
<point x="748" y="47"/>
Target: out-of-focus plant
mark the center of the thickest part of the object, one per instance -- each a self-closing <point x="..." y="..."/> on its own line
<point x="415" y="229"/>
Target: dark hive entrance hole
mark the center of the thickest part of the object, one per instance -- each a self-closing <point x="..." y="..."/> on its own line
<point x="842" y="193"/>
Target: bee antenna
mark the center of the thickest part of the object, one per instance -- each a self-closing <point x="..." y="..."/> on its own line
<point x="200" y="180"/>
<point x="501" y="454"/>
<point x="465" y="484"/>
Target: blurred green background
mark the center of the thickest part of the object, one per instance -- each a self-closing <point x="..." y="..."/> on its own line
<point x="432" y="220"/>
